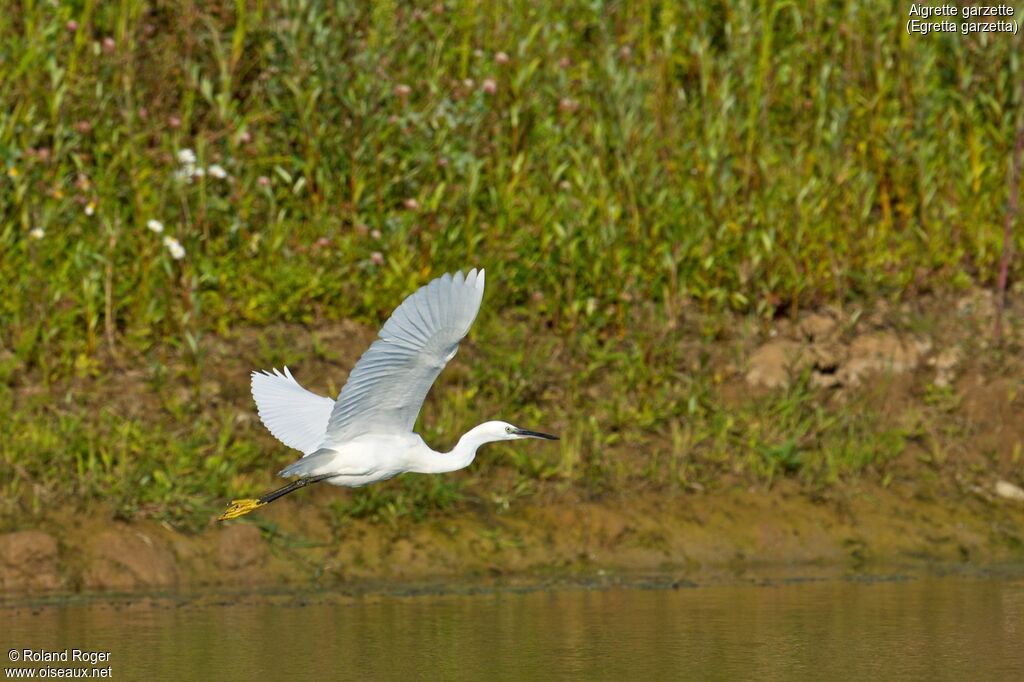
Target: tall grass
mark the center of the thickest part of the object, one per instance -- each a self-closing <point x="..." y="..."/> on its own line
<point x="607" y="163"/>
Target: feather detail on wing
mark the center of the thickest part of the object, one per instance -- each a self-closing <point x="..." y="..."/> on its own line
<point x="388" y="385"/>
<point x="297" y="417"/>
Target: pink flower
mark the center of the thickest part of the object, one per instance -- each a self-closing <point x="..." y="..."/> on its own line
<point x="568" y="104"/>
<point x="469" y="83"/>
<point x="411" y="204"/>
<point x="174" y="121"/>
<point x="501" y="58"/>
<point x="323" y="242"/>
<point x="263" y="181"/>
<point x="244" y="137"/>
<point x="109" y="44"/>
<point x="564" y="63"/>
<point x="71" y="26"/>
<point x="625" y="52"/>
<point x="490" y="86"/>
<point x="83" y="126"/>
<point x="375" y="234"/>
<point x="402" y="90"/>
<point x="377" y="258"/>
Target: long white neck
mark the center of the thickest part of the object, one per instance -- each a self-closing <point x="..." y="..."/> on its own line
<point x="461" y="456"/>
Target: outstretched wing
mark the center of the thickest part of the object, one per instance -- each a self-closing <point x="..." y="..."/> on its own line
<point x="388" y="385"/>
<point x="297" y="417"/>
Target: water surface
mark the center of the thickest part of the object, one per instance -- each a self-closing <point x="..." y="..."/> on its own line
<point x="936" y="628"/>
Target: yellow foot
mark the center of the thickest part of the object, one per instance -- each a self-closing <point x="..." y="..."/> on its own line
<point x="239" y="508"/>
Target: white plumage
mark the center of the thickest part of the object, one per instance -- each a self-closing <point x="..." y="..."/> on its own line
<point x="297" y="417"/>
<point x="389" y="383"/>
<point x="366" y="434"/>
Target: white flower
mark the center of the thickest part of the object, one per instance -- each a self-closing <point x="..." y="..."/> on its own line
<point x="90" y="208"/>
<point x="175" y="247"/>
<point x="184" y="174"/>
<point x="186" y="157"/>
<point x="155" y="226"/>
<point x="37" y="233"/>
<point x="217" y="171"/>
<point x="198" y="172"/>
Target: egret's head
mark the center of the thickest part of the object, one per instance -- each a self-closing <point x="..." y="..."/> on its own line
<point x="506" y="431"/>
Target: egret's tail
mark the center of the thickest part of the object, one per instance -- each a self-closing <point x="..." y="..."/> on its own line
<point x="310" y="465"/>
<point x="240" y="508"/>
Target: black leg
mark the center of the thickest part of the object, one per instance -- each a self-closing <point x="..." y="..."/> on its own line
<point x="292" y="487"/>
<point x="241" y="507"/>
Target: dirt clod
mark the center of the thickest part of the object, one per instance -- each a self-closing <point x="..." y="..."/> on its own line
<point x="1009" y="491"/>
<point x="239" y="547"/>
<point x="772" y="364"/>
<point x="28" y="560"/>
<point x="818" y="327"/>
<point x="129" y="559"/>
<point x="945" y="364"/>
<point x="878" y="352"/>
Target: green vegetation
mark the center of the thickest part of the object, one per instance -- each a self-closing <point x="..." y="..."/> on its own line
<point x="613" y="167"/>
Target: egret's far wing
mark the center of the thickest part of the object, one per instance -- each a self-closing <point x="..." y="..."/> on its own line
<point x="297" y="417"/>
<point x="388" y="385"/>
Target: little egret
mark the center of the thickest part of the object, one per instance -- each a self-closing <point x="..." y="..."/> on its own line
<point x="366" y="434"/>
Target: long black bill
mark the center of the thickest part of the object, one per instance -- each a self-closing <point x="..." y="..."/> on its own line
<point x="535" y="434"/>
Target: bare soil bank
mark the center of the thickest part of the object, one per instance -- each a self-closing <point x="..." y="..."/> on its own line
<point x="684" y="535"/>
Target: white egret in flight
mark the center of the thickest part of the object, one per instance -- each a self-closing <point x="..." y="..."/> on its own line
<point x="366" y="434"/>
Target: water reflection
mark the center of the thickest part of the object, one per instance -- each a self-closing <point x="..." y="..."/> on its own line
<point x="935" y="628"/>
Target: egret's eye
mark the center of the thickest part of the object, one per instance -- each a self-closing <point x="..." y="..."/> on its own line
<point x="508" y="429"/>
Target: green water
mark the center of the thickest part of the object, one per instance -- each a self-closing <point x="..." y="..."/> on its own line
<point x="934" y="628"/>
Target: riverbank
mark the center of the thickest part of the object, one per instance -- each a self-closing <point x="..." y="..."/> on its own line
<point x="689" y="536"/>
<point x="870" y="435"/>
